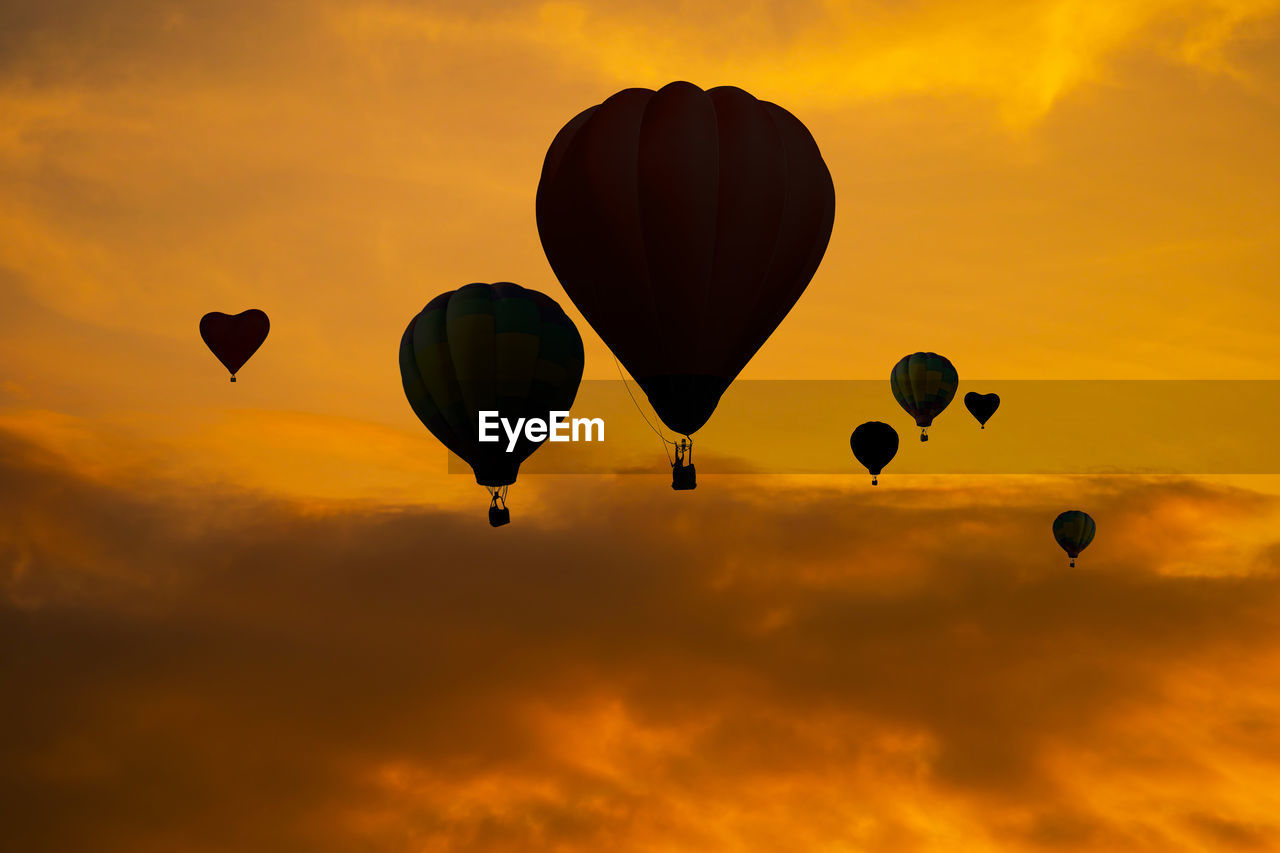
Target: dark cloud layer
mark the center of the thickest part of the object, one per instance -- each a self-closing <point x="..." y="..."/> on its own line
<point x="218" y="671"/>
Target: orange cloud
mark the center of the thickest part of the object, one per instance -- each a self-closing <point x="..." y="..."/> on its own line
<point x="800" y="669"/>
<point x="260" y="617"/>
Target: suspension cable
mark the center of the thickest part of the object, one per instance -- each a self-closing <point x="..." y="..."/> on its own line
<point x="665" y="441"/>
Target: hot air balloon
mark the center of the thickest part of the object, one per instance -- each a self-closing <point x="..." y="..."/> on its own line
<point x="1074" y="531"/>
<point x="981" y="406"/>
<point x="485" y="348"/>
<point x="874" y="445"/>
<point x="684" y="224"/>
<point x="924" y="384"/>
<point x="233" y="338"/>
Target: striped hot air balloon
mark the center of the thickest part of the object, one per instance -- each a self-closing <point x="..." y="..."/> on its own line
<point x="489" y="347"/>
<point x="1074" y="531"/>
<point x="924" y="384"/>
<point x="684" y="224"/>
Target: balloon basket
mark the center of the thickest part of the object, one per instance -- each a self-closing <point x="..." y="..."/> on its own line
<point x="875" y="481"/>
<point x="233" y="379"/>
<point x="499" y="515"/>
<point x="684" y="478"/>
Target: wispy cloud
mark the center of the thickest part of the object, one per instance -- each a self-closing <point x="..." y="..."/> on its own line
<point x="1021" y="56"/>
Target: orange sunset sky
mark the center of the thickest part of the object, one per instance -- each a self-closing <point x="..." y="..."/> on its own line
<point x="264" y="617"/>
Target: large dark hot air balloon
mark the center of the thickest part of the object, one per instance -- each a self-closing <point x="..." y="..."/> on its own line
<point x="233" y="338"/>
<point x="490" y="347"/>
<point x="1074" y="531"/>
<point x="924" y="384"/>
<point x="981" y="406"/>
<point x="874" y="444"/>
<point x="684" y="225"/>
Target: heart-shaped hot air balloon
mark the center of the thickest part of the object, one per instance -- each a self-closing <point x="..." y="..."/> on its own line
<point x="684" y="224"/>
<point x="234" y="338"/>
<point x="981" y="406"/>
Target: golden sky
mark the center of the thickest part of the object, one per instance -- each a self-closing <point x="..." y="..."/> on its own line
<point x="262" y="616"/>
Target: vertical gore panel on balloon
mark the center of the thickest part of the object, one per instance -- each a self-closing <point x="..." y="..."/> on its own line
<point x="431" y="353"/>
<point x="601" y="260"/>
<point x="679" y="196"/>
<point x="470" y="324"/>
<point x="918" y="388"/>
<point x="562" y="192"/>
<point x="805" y="228"/>
<point x="516" y="341"/>
<point x="411" y="377"/>
<point x="752" y="197"/>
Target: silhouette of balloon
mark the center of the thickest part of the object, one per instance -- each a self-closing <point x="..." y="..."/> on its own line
<point x="924" y="384"/>
<point x="684" y="224"/>
<point x="981" y="406"/>
<point x="1074" y="531"/>
<point x="874" y="444"/>
<point x="234" y="338"/>
<point x="490" y="347"/>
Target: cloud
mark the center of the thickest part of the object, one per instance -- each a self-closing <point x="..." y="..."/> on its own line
<point x="758" y="666"/>
<point x="1021" y="56"/>
<point x="787" y="670"/>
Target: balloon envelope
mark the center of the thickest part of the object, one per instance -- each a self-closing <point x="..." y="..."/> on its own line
<point x="874" y="444"/>
<point x="924" y="384"/>
<point x="233" y="338"/>
<point x="684" y="224"/>
<point x="1074" y="531"/>
<point x="981" y="406"/>
<point x="489" y="347"/>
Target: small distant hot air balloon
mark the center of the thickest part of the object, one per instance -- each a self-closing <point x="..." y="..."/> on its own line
<point x="684" y="224"/>
<point x="874" y="445"/>
<point x="1074" y="531"/>
<point x="490" y="347"/>
<point x="981" y="406"/>
<point x="233" y="338"/>
<point x="924" y="384"/>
